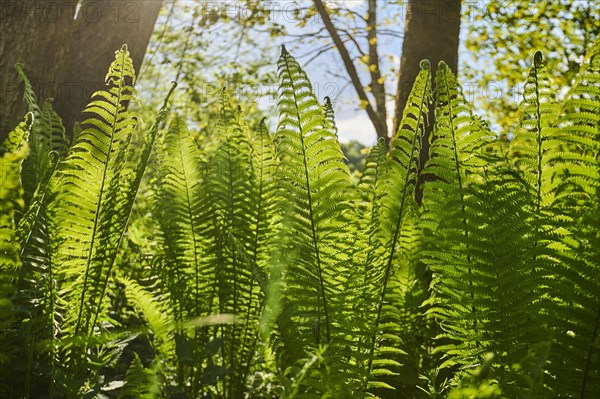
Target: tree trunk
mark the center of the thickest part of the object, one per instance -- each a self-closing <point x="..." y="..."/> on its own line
<point x="35" y="34"/>
<point x="100" y="29"/>
<point x="377" y="83"/>
<point x="431" y="32"/>
<point x="66" y="50"/>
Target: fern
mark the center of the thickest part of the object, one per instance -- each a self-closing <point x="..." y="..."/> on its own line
<point x="368" y="181"/>
<point x="534" y="137"/>
<point x="178" y="207"/>
<point x="264" y="172"/>
<point x="91" y="194"/>
<point x="457" y="159"/>
<point x="264" y="166"/>
<point x="484" y="246"/>
<point x="254" y="267"/>
<point x="12" y="153"/>
<point x="38" y="288"/>
<point x="329" y="115"/>
<point x="47" y="135"/>
<point x="97" y="159"/>
<point x="575" y="358"/>
<point x="395" y="195"/>
<point x="316" y="186"/>
<point x="221" y="210"/>
<point x="237" y="203"/>
<point x="140" y="382"/>
<point x="159" y="319"/>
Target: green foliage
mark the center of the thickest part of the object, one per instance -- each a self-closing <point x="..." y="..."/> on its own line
<point x="252" y="265"/>
<point x="48" y="136"/>
<point x="12" y="153"/>
<point x="500" y="33"/>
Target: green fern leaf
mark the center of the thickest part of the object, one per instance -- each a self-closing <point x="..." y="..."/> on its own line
<point x="239" y="209"/>
<point x="316" y="215"/>
<point x="395" y="192"/>
<point x="92" y="193"/>
<point x="535" y="139"/>
<point x="158" y="316"/>
<point x="457" y="160"/>
<point x="47" y="135"/>
<point x="330" y="116"/>
<point x="12" y="153"/>
<point x="575" y="357"/>
<point x="179" y="210"/>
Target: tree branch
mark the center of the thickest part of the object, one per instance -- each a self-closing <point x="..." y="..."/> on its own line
<point x="377" y="83"/>
<point x="380" y="125"/>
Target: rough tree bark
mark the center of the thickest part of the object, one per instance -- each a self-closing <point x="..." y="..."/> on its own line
<point x="431" y="31"/>
<point x="67" y="49"/>
<point x="32" y="33"/>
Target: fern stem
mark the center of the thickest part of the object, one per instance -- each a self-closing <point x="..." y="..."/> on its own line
<point x="539" y="135"/>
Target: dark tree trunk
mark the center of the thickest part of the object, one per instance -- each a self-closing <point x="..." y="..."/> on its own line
<point x="66" y="50"/>
<point x="431" y="32"/>
<point x="100" y="29"/>
<point x="35" y="34"/>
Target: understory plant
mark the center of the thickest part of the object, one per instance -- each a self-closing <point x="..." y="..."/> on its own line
<point x="139" y="262"/>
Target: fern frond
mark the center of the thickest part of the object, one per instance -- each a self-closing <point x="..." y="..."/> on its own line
<point x="14" y="151"/>
<point x="316" y="188"/>
<point x="458" y="142"/>
<point x="179" y="207"/>
<point x="92" y="192"/>
<point x="534" y="138"/>
<point x="395" y="192"/>
<point x="87" y="190"/>
<point x="37" y="287"/>
<point x="264" y="168"/>
<point x="483" y="236"/>
<point x="368" y="182"/>
<point x="457" y="160"/>
<point x="267" y="222"/>
<point x="488" y="291"/>
<point x="156" y="311"/>
<point x="578" y="129"/>
<point x="242" y="208"/>
<point x="575" y="357"/>
<point x="329" y="115"/>
<point x="12" y="154"/>
<point x="141" y="382"/>
<point x="47" y="135"/>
